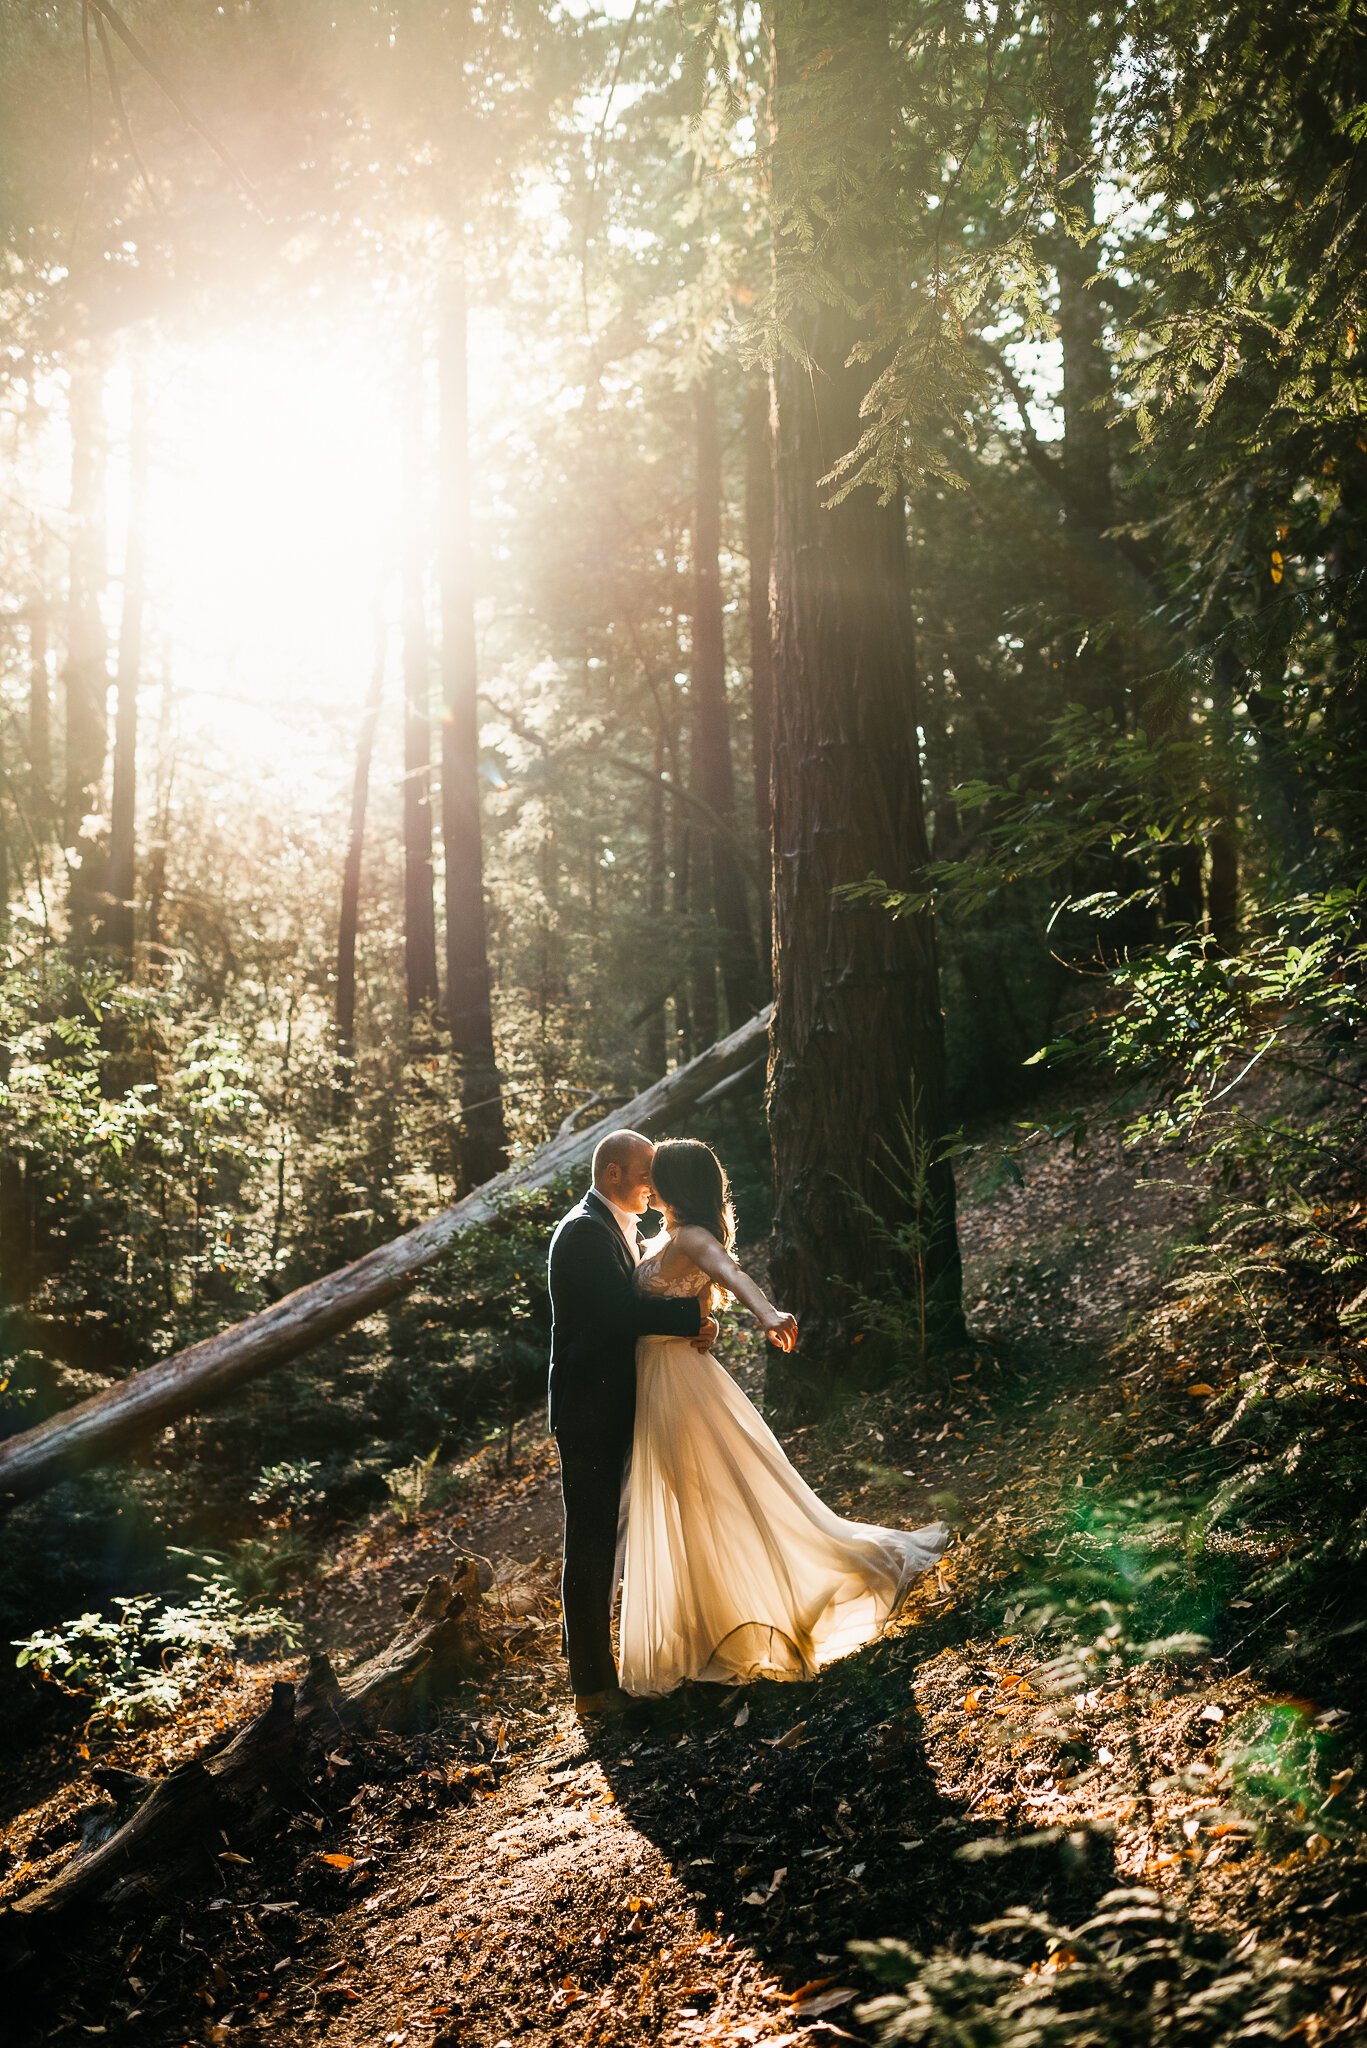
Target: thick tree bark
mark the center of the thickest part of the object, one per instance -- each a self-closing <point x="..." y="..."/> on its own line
<point x="119" y="918"/>
<point x="419" y="916"/>
<point x="240" y="1789"/>
<point x="101" y="1427"/>
<point x="759" y="528"/>
<point x="482" y="1142"/>
<point x="713" y="771"/>
<point x="349" y="918"/>
<point x="86" y="677"/>
<point x="856" y="1083"/>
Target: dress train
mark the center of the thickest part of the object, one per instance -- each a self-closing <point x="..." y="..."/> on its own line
<point x="734" y="1568"/>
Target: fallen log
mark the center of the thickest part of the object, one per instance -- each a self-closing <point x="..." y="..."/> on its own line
<point x="106" y="1423"/>
<point x="241" y="1789"/>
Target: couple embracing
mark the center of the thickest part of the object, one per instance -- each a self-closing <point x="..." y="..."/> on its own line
<point x="732" y="1569"/>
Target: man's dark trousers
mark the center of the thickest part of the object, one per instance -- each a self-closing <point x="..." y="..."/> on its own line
<point x="596" y="1317"/>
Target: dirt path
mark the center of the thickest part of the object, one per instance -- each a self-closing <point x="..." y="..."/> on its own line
<point x="692" y="1873"/>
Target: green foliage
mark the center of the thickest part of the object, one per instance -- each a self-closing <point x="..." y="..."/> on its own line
<point x="416" y="1489"/>
<point x="1193" y="1021"/>
<point x="256" y="1570"/>
<point x="901" y="1315"/>
<point x="141" y="1136"/>
<point x="1284" y="1763"/>
<point x="290" y="1488"/>
<point x="141" y="1663"/>
<point x="1132" y="1973"/>
<point x="1124" y="1587"/>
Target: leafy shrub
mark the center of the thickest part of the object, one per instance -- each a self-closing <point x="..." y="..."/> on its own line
<point x="290" y="1488"/>
<point x="256" y="1570"/>
<point x="141" y="1663"/>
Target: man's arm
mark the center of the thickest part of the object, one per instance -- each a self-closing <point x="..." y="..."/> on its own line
<point x="589" y="1285"/>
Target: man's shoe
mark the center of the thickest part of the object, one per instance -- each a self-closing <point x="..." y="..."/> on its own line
<point x="594" y="1706"/>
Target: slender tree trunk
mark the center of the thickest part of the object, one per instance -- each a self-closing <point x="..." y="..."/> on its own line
<point x="155" y="947"/>
<point x="1086" y="370"/>
<point x="704" y="1008"/>
<point x="39" y="720"/>
<point x="1097" y="675"/>
<point x="119" y="921"/>
<point x="759" y="525"/>
<point x="86" y="678"/>
<point x="16" y="1231"/>
<point x="419" y="917"/>
<point x="713" y="770"/>
<point x="654" y="1049"/>
<point x="483" y="1136"/>
<point x="1223" y="853"/>
<point x="683" y="861"/>
<point x="865" y="1200"/>
<point x="1222" y="886"/>
<point x="348" y="922"/>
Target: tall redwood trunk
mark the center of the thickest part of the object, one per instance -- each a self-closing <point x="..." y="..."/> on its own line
<point x="349" y="918"/>
<point x="713" y="771"/>
<point x="419" y="918"/>
<point x="864" y="1198"/>
<point x="119" y="920"/>
<point x="483" y="1135"/>
<point x="86" y="676"/>
<point x="759" y="530"/>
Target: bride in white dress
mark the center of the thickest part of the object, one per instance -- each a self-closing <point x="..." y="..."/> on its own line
<point x="734" y="1569"/>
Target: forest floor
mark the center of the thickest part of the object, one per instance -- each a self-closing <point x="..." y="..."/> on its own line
<point x="692" y="1872"/>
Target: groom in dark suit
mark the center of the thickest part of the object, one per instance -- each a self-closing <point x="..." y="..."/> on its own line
<point x="596" y="1317"/>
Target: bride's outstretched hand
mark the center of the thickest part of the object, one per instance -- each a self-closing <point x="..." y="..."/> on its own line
<point x="782" y="1332"/>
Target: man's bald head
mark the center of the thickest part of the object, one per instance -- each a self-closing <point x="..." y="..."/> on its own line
<point x="621" y="1169"/>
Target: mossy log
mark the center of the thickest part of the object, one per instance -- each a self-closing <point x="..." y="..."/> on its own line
<point x="108" y="1422"/>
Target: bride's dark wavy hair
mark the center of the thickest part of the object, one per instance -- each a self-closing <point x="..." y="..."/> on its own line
<point x="689" y="1176"/>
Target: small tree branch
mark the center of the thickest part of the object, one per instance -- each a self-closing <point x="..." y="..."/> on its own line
<point x="116" y="94"/>
<point x="144" y="57"/>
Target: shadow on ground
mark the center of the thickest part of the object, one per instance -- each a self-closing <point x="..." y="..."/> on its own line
<point x="806" y="1816"/>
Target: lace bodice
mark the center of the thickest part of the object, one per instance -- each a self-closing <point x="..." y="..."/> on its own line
<point x="692" y="1279"/>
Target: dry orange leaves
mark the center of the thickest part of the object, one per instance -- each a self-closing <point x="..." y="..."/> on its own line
<point x="1006" y="1689"/>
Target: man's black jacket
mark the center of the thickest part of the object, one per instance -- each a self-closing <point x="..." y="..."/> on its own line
<point x="596" y="1317"/>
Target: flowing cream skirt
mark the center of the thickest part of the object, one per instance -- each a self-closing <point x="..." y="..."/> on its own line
<point x="733" y="1568"/>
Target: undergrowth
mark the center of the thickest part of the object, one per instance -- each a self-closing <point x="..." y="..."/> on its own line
<point x="1133" y="1973"/>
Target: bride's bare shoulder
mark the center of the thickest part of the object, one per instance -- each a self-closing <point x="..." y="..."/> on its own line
<point x="695" y="1243"/>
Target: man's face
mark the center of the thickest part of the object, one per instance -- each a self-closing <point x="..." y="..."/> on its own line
<point x="629" y="1185"/>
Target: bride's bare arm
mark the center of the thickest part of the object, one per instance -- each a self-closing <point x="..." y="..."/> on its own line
<point x="712" y="1258"/>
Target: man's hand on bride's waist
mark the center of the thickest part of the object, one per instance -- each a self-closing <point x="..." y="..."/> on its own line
<point x="707" y="1334"/>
